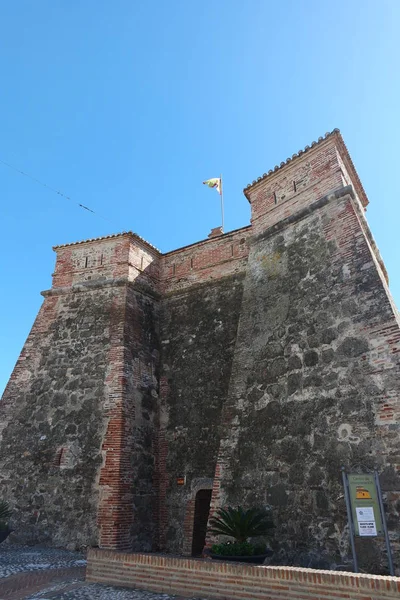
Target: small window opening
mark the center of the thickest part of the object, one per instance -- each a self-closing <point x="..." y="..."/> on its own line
<point x="101" y="259"/>
<point x="86" y="262"/>
<point x="58" y="457"/>
<point x="141" y="263"/>
<point x="275" y="198"/>
<point x="191" y="263"/>
<point x="231" y="249"/>
<point x="294" y="186"/>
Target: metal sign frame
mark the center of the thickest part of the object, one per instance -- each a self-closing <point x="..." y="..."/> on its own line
<point x="364" y="501"/>
<point x="374" y="497"/>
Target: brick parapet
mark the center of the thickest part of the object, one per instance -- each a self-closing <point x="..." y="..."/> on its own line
<point x="108" y="261"/>
<point x="321" y="172"/>
<point x="219" y="580"/>
<point x="205" y="261"/>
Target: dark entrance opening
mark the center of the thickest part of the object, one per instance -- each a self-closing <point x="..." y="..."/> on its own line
<point x="201" y="512"/>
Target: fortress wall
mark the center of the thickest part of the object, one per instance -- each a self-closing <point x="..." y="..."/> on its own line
<point x="53" y="413"/>
<point x="315" y="380"/>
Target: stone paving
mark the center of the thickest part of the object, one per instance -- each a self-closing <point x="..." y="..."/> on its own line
<point x="39" y="573"/>
<point x="94" y="591"/>
<point x="15" y="559"/>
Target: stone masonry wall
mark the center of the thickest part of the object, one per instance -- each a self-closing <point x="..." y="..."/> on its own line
<point x="142" y="355"/>
<point x="197" y="340"/>
<point x="53" y="414"/>
<point x="202" y="286"/>
<point x="315" y="381"/>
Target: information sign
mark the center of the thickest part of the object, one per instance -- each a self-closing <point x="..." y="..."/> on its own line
<point x="365" y="505"/>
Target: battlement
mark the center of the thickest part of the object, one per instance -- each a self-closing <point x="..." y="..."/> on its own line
<point x="321" y="168"/>
<point x="312" y="173"/>
<point x="209" y="259"/>
<point x="120" y="256"/>
<point x="127" y="257"/>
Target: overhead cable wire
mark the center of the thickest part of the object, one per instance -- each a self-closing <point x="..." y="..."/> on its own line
<point x="49" y="187"/>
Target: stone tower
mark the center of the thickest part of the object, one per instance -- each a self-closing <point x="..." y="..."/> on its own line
<point x="80" y="410"/>
<point x="248" y="367"/>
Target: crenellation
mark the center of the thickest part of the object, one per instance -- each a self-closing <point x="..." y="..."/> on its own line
<point x="205" y="261"/>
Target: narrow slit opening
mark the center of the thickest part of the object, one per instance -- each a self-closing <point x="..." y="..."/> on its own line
<point x="58" y="458"/>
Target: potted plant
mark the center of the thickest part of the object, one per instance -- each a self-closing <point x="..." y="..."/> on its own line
<point x="5" y="513"/>
<point x="241" y="524"/>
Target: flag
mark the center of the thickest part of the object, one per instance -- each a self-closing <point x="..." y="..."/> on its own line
<point x="214" y="183"/>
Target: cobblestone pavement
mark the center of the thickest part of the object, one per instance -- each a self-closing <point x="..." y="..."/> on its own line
<point x="37" y="573"/>
<point x="95" y="591"/>
<point x="15" y="559"/>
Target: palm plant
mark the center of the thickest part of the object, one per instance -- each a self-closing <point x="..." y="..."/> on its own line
<point x="241" y="524"/>
<point x="5" y="513"/>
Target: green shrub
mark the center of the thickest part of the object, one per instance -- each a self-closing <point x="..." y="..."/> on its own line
<point x="241" y="524"/>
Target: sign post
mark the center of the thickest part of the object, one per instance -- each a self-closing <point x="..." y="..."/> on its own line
<point x="350" y="519"/>
<point x="385" y="529"/>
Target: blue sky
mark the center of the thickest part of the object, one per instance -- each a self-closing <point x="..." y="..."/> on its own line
<point x="127" y="106"/>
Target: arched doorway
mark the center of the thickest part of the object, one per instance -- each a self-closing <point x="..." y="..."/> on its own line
<point x="201" y="512"/>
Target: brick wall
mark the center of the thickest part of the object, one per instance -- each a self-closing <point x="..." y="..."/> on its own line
<point x="124" y="255"/>
<point x="314" y="174"/>
<point x="286" y="192"/>
<point x="220" y="580"/>
<point x="208" y="260"/>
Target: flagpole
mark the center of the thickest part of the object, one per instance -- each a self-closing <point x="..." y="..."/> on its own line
<point x="222" y="205"/>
